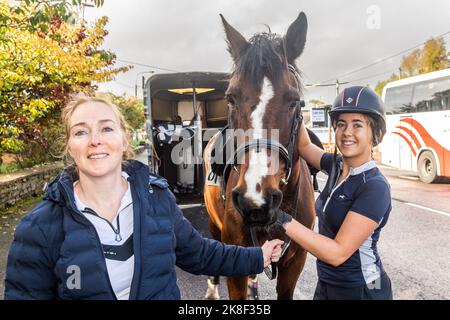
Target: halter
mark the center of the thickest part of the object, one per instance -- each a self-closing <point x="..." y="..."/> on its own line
<point x="286" y="153"/>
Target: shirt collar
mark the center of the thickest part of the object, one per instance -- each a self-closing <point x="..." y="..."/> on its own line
<point x="362" y="168"/>
<point x="126" y="199"/>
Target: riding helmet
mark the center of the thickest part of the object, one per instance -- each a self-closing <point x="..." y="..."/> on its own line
<point x="359" y="99"/>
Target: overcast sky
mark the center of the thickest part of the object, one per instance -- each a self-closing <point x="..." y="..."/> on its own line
<point x="343" y="35"/>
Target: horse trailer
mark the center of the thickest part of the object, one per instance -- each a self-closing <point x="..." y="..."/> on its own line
<point x="182" y="111"/>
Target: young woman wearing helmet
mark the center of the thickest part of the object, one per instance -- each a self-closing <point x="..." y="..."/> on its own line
<point x="353" y="207"/>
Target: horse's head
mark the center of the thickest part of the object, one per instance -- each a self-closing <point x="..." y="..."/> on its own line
<point x="264" y="101"/>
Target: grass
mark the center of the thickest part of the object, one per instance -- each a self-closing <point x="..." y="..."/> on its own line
<point x="14" y="167"/>
<point x="9" y="168"/>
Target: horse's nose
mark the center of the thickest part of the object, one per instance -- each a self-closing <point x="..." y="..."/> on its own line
<point x="273" y="198"/>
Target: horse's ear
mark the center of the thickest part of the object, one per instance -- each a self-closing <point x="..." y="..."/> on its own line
<point x="295" y="38"/>
<point x="236" y="42"/>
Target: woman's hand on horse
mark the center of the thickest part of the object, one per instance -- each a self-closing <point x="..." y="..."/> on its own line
<point x="276" y="253"/>
<point x="283" y="219"/>
<point x="271" y="251"/>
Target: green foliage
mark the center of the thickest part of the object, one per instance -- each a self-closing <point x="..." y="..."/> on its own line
<point x="9" y="168"/>
<point x="132" y="108"/>
<point x="38" y="15"/>
<point x="380" y="85"/>
<point x="40" y="71"/>
<point x="432" y="57"/>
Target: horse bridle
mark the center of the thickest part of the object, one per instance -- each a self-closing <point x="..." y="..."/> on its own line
<point x="286" y="153"/>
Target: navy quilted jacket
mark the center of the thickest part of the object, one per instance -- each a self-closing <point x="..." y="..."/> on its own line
<point x="55" y="239"/>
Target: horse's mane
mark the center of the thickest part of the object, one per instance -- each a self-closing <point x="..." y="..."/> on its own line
<point x="264" y="56"/>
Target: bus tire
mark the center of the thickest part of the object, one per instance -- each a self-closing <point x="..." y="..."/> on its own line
<point x="427" y="167"/>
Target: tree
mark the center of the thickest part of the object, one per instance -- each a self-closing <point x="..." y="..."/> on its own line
<point x="132" y="108"/>
<point x="410" y="64"/>
<point x="380" y="85"/>
<point x="39" y="14"/>
<point x="432" y="57"/>
<point x="38" y="73"/>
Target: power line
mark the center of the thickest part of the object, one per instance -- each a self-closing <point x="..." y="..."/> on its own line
<point x="337" y="84"/>
<point x="372" y="76"/>
<point x="146" y="65"/>
<point x="123" y="84"/>
<point x="382" y="60"/>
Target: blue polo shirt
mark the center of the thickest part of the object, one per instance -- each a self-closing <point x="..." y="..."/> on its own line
<point x="365" y="191"/>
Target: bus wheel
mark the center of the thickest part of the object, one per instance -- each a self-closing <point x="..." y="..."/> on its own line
<point x="427" y="167"/>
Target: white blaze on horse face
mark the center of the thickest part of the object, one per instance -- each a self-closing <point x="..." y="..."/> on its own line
<point x="258" y="163"/>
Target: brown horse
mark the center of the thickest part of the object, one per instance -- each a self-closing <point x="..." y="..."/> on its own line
<point x="264" y="96"/>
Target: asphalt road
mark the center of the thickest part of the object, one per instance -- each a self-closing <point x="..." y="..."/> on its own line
<point x="414" y="245"/>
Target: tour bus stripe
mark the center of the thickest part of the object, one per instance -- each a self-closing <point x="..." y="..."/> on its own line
<point x="413" y="136"/>
<point x="442" y="153"/>
<point x="407" y="141"/>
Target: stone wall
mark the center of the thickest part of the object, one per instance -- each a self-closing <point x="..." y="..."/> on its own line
<point x="26" y="184"/>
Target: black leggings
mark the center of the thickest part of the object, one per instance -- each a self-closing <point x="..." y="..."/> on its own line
<point x="380" y="289"/>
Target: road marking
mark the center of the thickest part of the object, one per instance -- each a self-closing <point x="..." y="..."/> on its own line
<point x="409" y="178"/>
<point x="429" y="209"/>
<point x="188" y="206"/>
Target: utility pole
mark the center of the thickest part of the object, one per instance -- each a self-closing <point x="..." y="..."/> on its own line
<point x="337" y="84"/>
<point x="83" y="6"/>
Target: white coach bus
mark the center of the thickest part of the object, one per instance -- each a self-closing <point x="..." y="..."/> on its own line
<point x="418" y="125"/>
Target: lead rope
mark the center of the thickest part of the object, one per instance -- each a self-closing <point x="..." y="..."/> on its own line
<point x="272" y="274"/>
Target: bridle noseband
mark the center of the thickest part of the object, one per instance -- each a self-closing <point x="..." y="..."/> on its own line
<point x="265" y="144"/>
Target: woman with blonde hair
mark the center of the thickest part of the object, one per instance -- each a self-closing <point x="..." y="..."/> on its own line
<point x="107" y="229"/>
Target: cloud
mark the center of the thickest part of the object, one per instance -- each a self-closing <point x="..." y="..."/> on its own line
<point x="188" y="35"/>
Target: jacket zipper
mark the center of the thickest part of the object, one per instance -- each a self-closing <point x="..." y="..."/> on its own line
<point x="118" y="237"/>
<point x="137" y="235"/>
<point x="332" y="191"/>
<point x="91" y="226"/>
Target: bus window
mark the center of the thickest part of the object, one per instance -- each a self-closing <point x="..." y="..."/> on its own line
<point x="398" y="100"/>
<point x="432" y="96"/>
<point x="441" y="96"/>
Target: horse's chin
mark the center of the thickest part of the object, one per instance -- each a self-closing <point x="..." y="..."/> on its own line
<point x="264" y="224"/>
<point x="271" y="229"/>
<point x="258" y="224"/>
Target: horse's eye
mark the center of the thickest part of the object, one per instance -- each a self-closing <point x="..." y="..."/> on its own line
<point x="231" y="100"/>
<point x="293" y="104"/>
